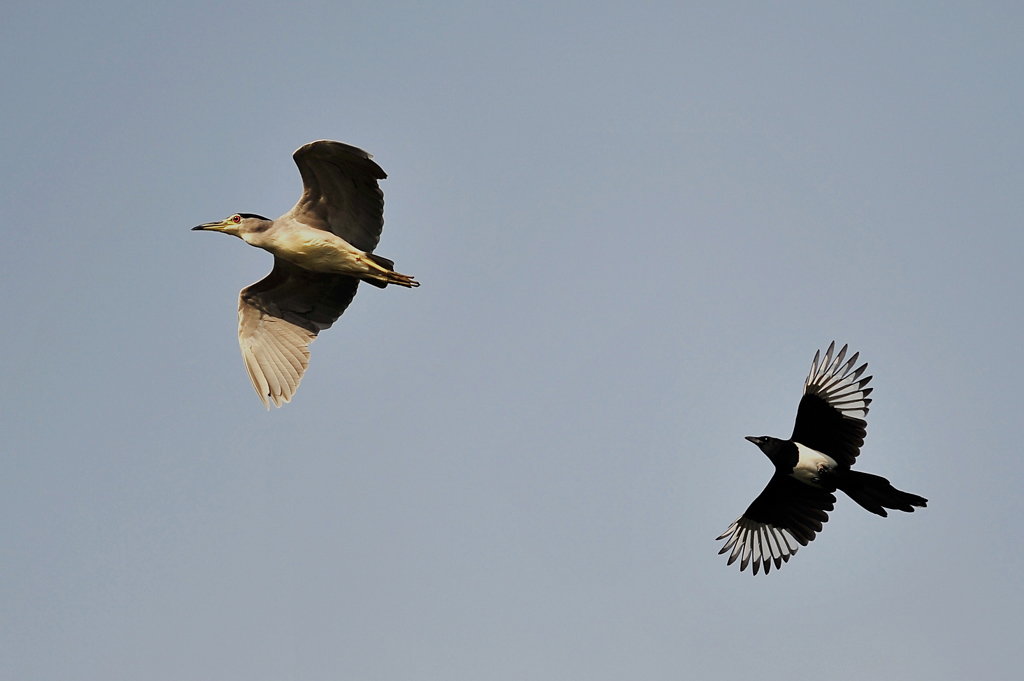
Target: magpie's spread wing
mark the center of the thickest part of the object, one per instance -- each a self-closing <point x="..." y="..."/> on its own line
<point x="785" y="514"/>
<point x="830" y="418"/>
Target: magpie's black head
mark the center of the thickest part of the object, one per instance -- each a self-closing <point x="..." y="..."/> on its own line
<point x="769" y="445"/>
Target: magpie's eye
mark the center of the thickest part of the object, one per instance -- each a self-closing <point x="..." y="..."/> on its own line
<point x="236" y="219"/>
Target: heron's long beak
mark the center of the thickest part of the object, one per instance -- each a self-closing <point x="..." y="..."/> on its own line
<point x="212" y="226"/>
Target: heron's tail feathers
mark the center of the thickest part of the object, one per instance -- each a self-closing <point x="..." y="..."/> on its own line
<point x="386" y="274"/>
<point x="876" y="494"/>
<point x="384" y="263"/>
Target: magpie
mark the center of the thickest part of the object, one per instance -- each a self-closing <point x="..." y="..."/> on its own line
<point x="812" y="464"/>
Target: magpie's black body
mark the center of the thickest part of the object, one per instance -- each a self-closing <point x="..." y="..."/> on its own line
<point x="810" y="466"/>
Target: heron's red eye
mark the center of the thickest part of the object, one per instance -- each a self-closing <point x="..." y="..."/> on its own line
<point x="236" y="219"/>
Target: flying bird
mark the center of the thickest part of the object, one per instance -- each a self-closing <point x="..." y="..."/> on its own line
<point x="322" y="248"/>
<point x="810" y="466"/>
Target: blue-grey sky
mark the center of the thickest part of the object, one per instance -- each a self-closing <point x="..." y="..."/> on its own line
<point x="634" y="223"/>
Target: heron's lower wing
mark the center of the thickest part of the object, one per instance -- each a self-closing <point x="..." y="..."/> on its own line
<point x="279" y="316"/>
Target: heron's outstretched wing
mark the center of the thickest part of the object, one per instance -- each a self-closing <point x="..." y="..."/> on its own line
<point x="340" y="192"/>
<point x="786" y="513"/>
<point x="279" y="316"/>
<point x="830" y="418"/>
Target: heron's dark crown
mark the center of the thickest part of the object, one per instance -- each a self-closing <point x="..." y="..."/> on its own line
<point x="253" y="215"/>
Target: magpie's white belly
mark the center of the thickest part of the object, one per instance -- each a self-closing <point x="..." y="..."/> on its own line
<point x="809" y="467"/>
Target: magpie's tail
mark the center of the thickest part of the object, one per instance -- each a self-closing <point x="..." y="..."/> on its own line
<point x="874" y="493"/>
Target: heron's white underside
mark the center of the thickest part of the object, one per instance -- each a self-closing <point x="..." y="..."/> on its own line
<point x="313" y="249"/>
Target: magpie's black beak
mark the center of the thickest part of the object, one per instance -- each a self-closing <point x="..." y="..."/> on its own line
<point x="756" y="440"/>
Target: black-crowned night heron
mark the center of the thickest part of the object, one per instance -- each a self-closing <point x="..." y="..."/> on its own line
<point x="322" y="249"/>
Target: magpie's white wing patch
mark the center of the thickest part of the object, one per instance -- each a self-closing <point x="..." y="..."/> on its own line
<point x="839" y="384"/>
<point x="759" y="543"/>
